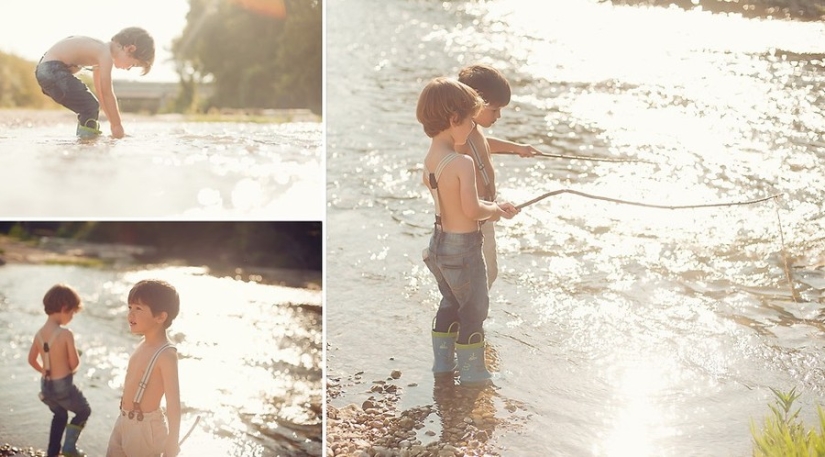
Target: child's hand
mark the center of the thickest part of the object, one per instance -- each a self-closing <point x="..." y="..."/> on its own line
<point x="117" y="131"/>
<point x="508" y="210"/>
<point x="526" y="150"/>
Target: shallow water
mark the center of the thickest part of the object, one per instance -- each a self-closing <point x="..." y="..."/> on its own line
<point x="163" y="168"/>
<point x="249" y="358"/>
<point x="621" y="330"/>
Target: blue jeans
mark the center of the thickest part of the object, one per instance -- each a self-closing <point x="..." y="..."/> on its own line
<point x="62" y="396"/>
<point x="57" y="81"/>
<point x="456" y="261"/>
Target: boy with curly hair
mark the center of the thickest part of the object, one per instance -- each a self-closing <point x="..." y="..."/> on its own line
<point x="131" y="47"/>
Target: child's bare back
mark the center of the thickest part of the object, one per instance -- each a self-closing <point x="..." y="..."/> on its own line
<point x="63" y="358"/>
<point x="80" y="51"/>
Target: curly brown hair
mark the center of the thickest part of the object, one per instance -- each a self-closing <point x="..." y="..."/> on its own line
<point x="144" y="45"/>
<point x="60" y="297"/>
<point x="444" y="102"/>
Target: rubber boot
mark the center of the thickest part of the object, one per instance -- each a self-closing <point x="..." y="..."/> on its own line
<point x="89" y="131"/>
<point x="472" y="369"/>
<point x="70" y="443"/>
<point x="444" y="351"/>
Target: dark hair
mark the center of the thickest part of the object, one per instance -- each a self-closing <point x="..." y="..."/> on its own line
<point x="488" y="82"/>
<point x="159" y="296"/>
<point x="443" y="100"/>
<point x="144" y="45"/>
<point x="61" y="297"/>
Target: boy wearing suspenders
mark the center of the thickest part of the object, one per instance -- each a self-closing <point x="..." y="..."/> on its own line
<point x="54" y="344"/>
<point x="141" y="428"/>
<point x="446" y="109"/>
<point x="494" y="89"/>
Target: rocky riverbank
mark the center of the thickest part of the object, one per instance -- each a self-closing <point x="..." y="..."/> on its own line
<point x="7" y="450"/>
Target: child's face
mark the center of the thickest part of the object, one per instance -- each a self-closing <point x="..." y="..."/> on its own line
<point x="123" y="57"/>
<point x="141" y="319"/>
<point x="488" y="115"/>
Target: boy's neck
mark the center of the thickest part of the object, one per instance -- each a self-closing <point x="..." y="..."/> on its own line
<point x="443" y="142"/>
<point x="53" y="320"/>
<point x="155" y="336"/>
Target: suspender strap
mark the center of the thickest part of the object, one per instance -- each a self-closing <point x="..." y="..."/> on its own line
<point x="145" y="380"/>
<point x="46" y="348"/>
<point x="433" y="178"/>
<point x="482" y="169"/>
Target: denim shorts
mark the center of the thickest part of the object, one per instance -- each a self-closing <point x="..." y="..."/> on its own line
<point x="63" y="394"/>
<point x="457" y="262"/>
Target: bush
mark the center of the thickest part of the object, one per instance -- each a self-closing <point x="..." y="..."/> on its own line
<point x="784" y="434"/>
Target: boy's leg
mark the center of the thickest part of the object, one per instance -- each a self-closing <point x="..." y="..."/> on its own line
<point x="59" y="420"/>
<point x="65" y="88"/>
<point x="79" y="406"/>
<point x="115" y="447"/>
<point x="488" y="230"/>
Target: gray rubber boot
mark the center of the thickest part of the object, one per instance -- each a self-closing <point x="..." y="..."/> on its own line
<point x="70" y="443"/>
<point x="444" y="351"/>
<point x="472" y="369"/>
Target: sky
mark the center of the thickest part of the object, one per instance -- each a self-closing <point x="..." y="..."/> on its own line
<point x="29" y="27"/>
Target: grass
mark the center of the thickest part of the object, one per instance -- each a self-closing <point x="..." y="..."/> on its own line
<point x="784" y="434"/>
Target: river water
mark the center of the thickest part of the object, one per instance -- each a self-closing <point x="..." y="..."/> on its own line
<point x="621" y="330"/>
<point x="164" y="168"/>
<point x="249" y="355"/>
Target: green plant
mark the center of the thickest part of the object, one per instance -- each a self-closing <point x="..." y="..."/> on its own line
<point x="784" y="434"/>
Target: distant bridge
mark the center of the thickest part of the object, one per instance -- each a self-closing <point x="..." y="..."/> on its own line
<point x="138" y="96"/>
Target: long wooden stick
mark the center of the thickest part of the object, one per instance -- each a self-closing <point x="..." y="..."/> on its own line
<point x="191" y="429"/>
<point x="572" y="157"/>
<point x="646" y="205"/>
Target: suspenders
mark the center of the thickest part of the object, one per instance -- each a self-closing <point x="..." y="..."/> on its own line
<point x="144" y="381"/>
<point x="483" y="170"/>
<point x="46" y="356"/>
<point x="433" y="179"/>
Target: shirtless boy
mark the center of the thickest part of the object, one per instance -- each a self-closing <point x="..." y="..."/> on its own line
<point x="141" y="428"/>
<point x="54" y="345"/>
<point x="446" y="109"/>
<point x="494" y="89"/>
<point x="131" y="47"/>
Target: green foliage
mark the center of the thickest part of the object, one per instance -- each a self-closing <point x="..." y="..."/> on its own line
<point x="784" y="434"/>
<point x="18" y="86"/>
<point x="253" y="60"/>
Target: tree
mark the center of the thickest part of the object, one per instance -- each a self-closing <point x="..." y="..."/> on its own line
<point x="253" y="59"/>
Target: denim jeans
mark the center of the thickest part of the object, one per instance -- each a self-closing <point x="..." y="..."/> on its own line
<point x="58" y="82"/>
<point x="62" y="396"/>
<point x="456" y="261"/>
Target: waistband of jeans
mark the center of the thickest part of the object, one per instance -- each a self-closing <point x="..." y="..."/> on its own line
<point x="458" y="238"/>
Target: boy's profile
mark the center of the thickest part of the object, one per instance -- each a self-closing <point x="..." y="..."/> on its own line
<point x="141" y="427"/>
<point x="494" y="89"/>
<point x="446" y="109"/>
<point x="54" y="345"/>
<point x="131" y="47"/>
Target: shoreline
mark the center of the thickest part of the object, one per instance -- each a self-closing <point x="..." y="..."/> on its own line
<point x="63" y="251"/>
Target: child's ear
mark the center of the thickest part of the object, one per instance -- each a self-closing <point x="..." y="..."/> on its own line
<point x="455" y="120"/>
<point x="162" y="316"/>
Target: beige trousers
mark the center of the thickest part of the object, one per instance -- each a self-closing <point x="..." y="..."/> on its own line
<point x="134" y="438"/>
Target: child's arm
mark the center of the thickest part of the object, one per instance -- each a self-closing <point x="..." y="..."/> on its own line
<point x="73" y="358"/>
<point x="98" y="91"/>
<point x="33" y="361"/>
<point x="168" y="364"/>
<point x="499" y="146"/>
<point x="103" y="73"/>
<point x="473" y="207"/>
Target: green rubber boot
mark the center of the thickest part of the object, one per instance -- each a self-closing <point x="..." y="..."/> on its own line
<point x="472" y="369"/>
<point x="70" y="443"/>
<point x="89" y="131"/>
<point x="444" y="351"/>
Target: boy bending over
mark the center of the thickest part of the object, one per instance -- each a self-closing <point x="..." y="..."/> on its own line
<point x="131" y="47"/>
